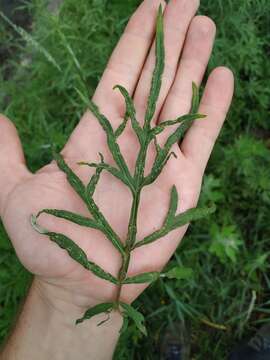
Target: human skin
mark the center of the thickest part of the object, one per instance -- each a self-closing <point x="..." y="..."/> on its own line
<point x="62" y="290"/>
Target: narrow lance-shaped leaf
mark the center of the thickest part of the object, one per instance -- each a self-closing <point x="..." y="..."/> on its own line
<point x="102" y="274"/>
<point x="72" y="178"/>
<point x="179" y="273"/>
<point x="70" y="216"/>
<point x="184" y="118"/>
<point x="172" y="206"/>
<point x="152" y="101"/>
<point x="112" y="170"/>
<point x="158" y="71"/>
<point x="111" y="139"/>
<point x="74" y="251"/>
<point x="135" y="315"/>
<point x="122" y="126"/>
<point x="185" y="122"/>
<point x="31" y="41"/>
<point x="91" y="187"/>
<point x="191" y="215"/>
<point x="130" y="110"/>
<point x="96" y="310"/>
<point x="194" y="106"/>
<point x="179" y="132"/>
<point x="142" y="278"/>
<point x="157" y="146"/>
<point x="162" y="157"/>
<point x="195" y="99"/>
<point x="178" y="221"/>
<point x="79" y="187"/>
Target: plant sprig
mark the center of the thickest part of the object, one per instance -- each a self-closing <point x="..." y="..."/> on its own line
<point x="135" y="183"/>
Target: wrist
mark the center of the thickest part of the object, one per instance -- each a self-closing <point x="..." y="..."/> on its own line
<point x="46" y="330"/>
<point x="59" y="304"/>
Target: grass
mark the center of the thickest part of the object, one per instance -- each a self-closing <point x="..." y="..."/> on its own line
<point x="228" y="296"/>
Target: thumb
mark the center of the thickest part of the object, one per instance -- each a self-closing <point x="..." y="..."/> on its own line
<point x="12" y="163"/>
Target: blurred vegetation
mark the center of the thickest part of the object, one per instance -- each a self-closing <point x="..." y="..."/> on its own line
<point x="228" y="296"/>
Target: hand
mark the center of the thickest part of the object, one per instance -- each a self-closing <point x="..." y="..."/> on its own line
<point x="21" y="193"/>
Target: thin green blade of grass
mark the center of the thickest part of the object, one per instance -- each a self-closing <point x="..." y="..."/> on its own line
<point x="31" y="41"/>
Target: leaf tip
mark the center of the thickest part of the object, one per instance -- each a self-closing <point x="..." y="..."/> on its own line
<point x="160" y="11"/>
<point x="194" y="86"/>
<point x="159" y="25"/>
<point x="202" y="116"/>
<point x="38" y="228"/>
<point x="174" y="190"/>
<point x="101" y="157"/>
<point x="78" y="321"/>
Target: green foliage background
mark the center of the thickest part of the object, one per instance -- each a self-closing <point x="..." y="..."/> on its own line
<point x="229" y="252"/>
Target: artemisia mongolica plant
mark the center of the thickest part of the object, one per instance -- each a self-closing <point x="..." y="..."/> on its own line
<point x="145" y="133"/>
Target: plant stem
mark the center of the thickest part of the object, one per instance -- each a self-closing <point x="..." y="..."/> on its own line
<point x="132" y="226"/>
<point x="131" y="238"/>
<point x="122" y="275"/>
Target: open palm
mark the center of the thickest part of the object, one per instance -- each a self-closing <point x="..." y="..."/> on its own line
<point x="131" y="65"/>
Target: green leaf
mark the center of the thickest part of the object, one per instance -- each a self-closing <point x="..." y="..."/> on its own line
<point x="142" y="278"/>
<point x="173" y="206"/>
<point x="163" y="155"/>
<point x="178" y="221"/>
<point x="130" y="111"/>
<point x="99" y="272"/>
<point x="70" y="216"/>
<point x="72" y="178"/>
<point x="79" y="187"/>
<point x="121" y="127"/>
<point x="191" y="215"/>
<point x="158" y="71"/>
<point x="179" y="273"/>
<point x="179" y="132"/>
<point x="96" y="310"/>
<point x="74" y="251"/>
<point x="111" y="138"/>
<point x="135" y="315"/>
<point x="112" y="170"/>
<point x="195" y="98"/>
<point x="157" y="146"/>
<point x="184" y="118"/>
<point x="91" y="187"/>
